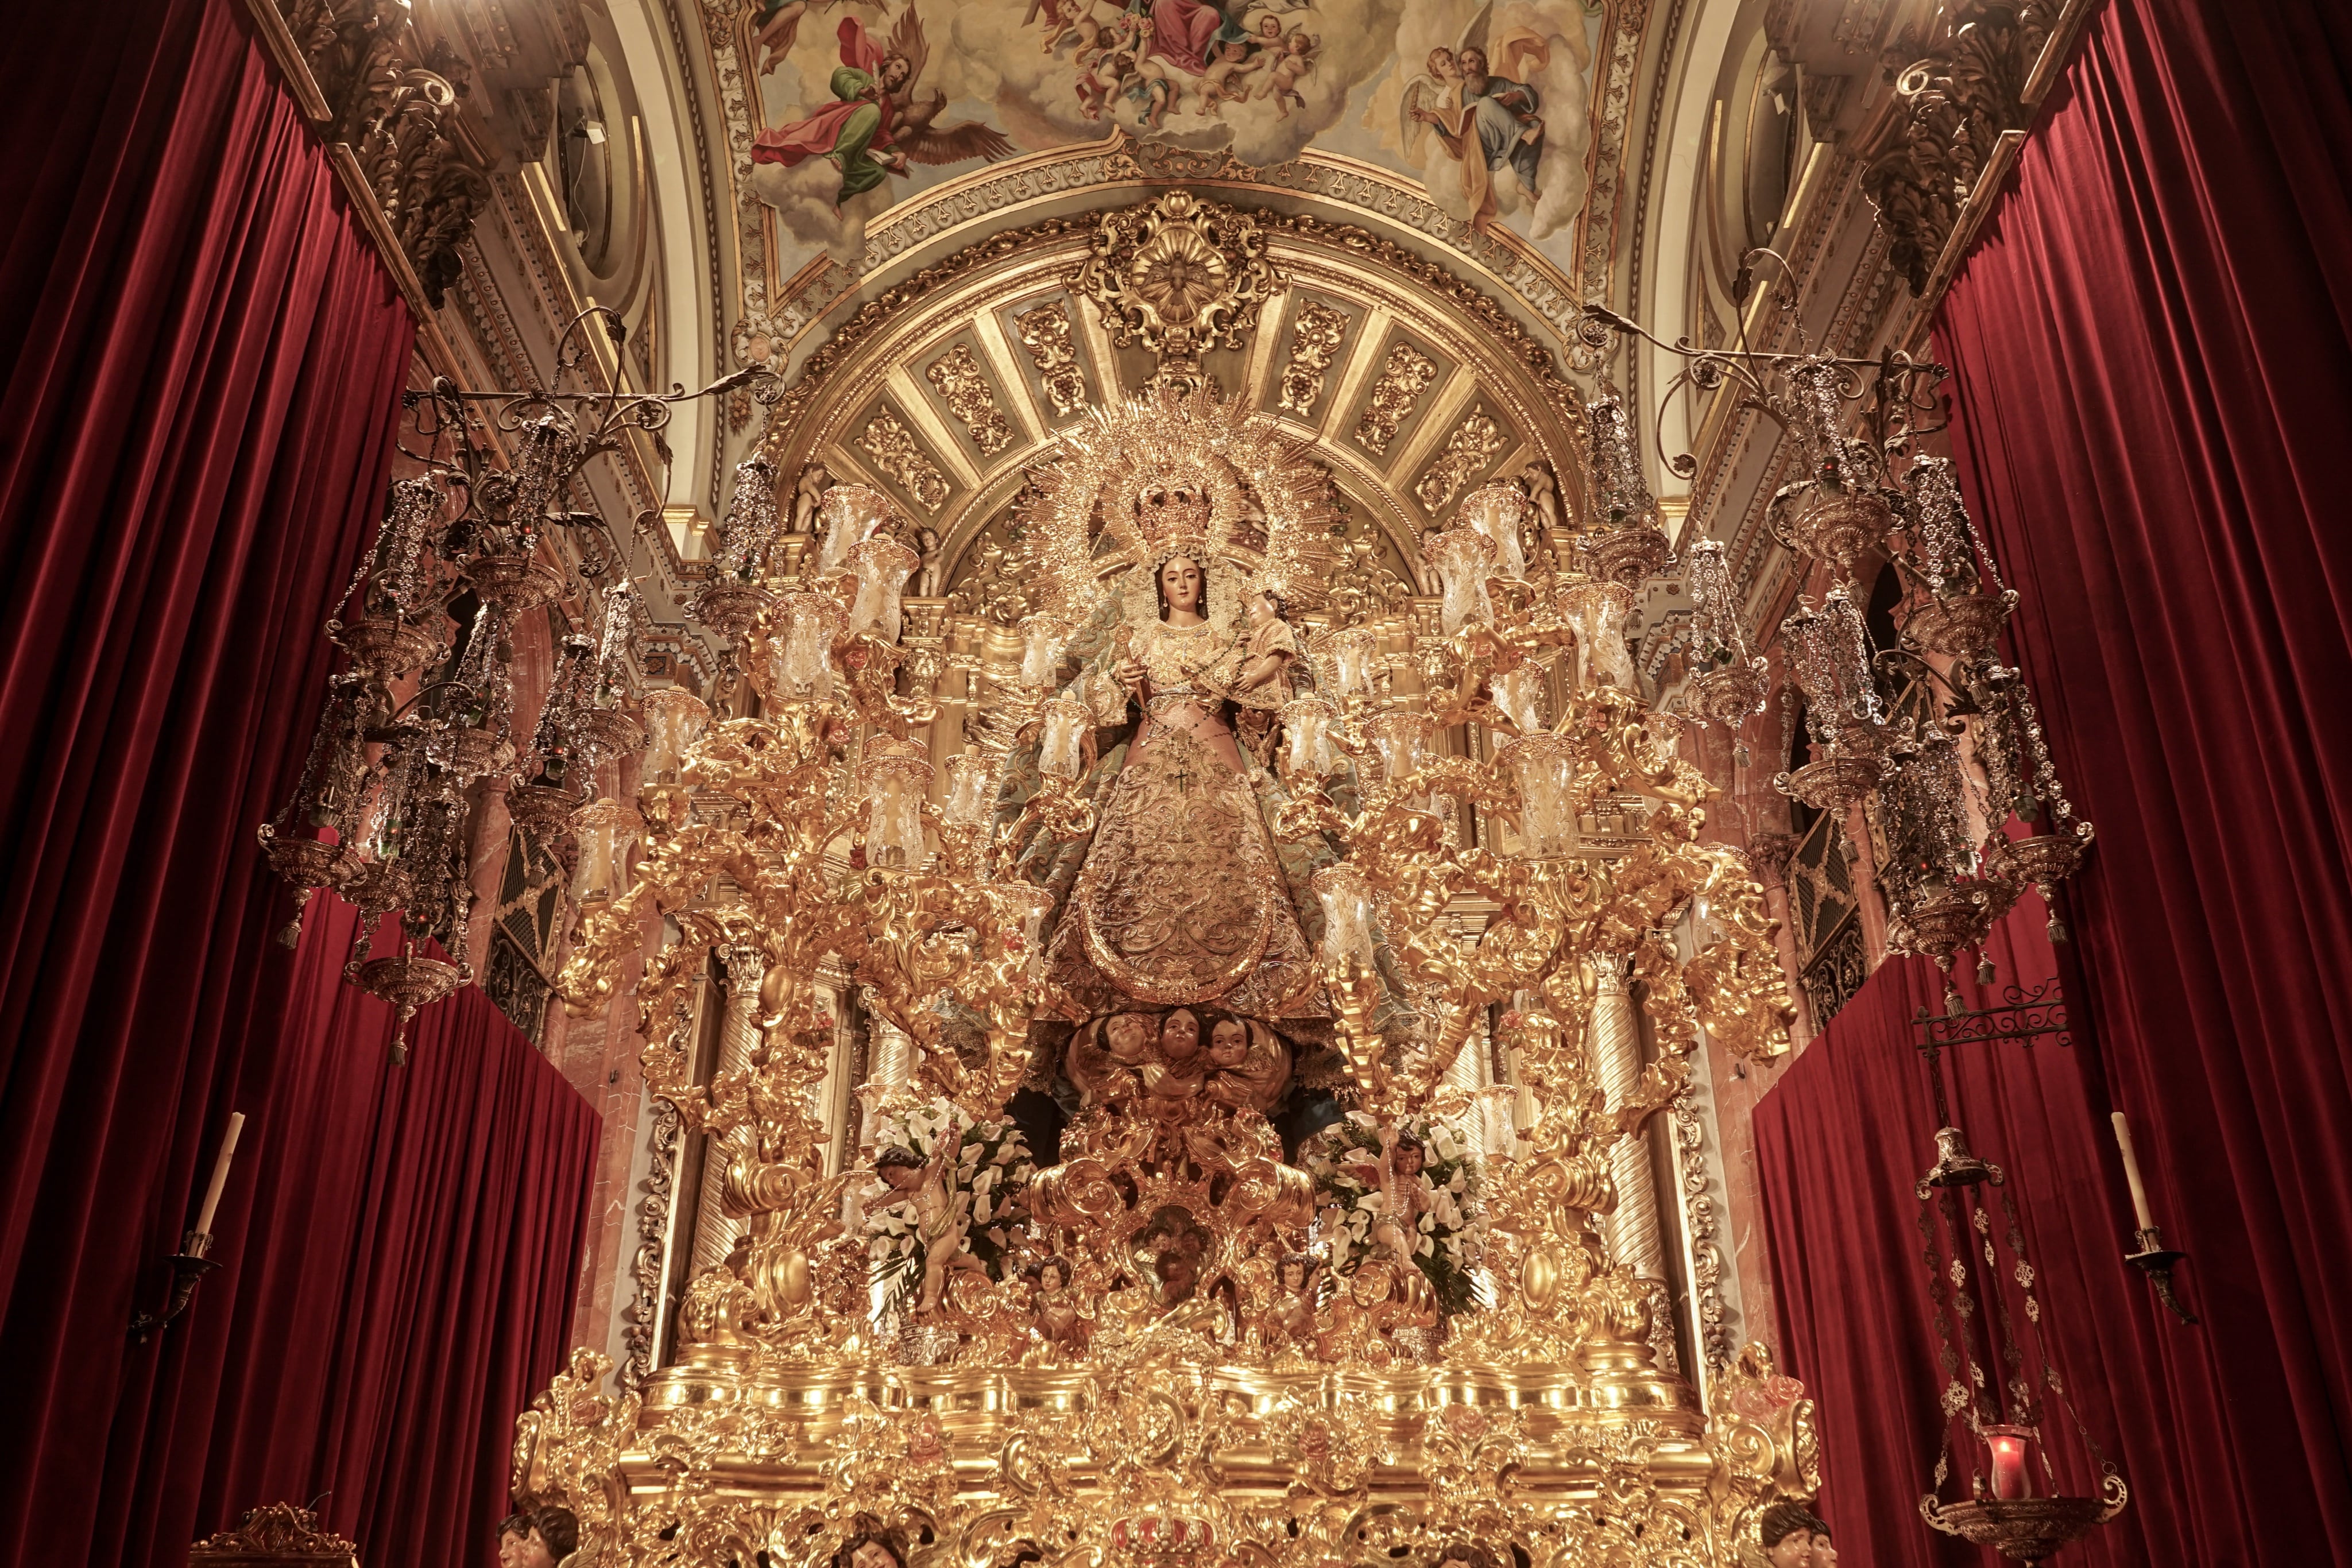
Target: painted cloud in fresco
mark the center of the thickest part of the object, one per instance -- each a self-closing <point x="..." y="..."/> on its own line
<point x="1271" y="78"/>
<point x="1512" y="146"/>
<point x="866" y="102"/>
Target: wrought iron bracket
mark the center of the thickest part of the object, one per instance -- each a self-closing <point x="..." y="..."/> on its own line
<point x="189" y="1265"/>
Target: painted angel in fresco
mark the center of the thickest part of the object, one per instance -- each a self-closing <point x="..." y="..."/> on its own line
<point x="1483" y="123"/>
<point x="776" y="22"/>
<point x="875" y="126"/>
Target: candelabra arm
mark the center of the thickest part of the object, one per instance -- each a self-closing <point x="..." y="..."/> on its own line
<point x="2156" y="1260"/>
<point x="189" y="1265"/>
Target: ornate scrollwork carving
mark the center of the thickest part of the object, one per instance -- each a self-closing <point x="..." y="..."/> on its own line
<point x="1179" y="276"/>
<point x="1958" y="91"/>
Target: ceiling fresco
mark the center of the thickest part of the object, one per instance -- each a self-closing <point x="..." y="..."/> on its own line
<point x="842" y="114"/>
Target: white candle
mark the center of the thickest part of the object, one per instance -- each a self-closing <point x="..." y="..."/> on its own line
<point x="2131" y="1173"/>
<point x="220" y="1173"/>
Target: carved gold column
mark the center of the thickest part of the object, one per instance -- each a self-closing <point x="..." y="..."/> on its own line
<point x="1632" y="1230"/>
<point x="739" y="1030"/>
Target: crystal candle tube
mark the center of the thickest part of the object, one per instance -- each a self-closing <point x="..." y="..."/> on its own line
<point x="1347" y="900"/>
<point x="1547" y="808"/>
<point x="1307" y="722"/>
<point x="1520" y="695"/>
<point x="1351" y="661"/>
<point x="802" y="669"/>
<point x="895" y="774"/>
<point x="1402" y="740"/>
<point x="605" y="829"/>
<point x="1499" y="512"/>
<point x="1066" y="722"/>
<point x="674" y="721"/>
<point x="1464" y="559"/>
<point x="1597" y="611"/>
<point x="882" y="567"/>
<point x="852" y="513"/>
<point x="970" y="784"/>
<point x="1042" y="638"/>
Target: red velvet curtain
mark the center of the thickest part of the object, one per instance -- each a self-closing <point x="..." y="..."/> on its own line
<point x="200" y="354"/>
<point x="414" y="1238"/>
<point x="2153" y="353"/>
<point x="1840" y="1142"/>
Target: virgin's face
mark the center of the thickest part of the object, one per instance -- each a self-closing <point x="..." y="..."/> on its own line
<point x="1179" y="583"/>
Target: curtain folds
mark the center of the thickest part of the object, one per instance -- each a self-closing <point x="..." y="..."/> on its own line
<point x="1840" y="1141"/>
<point x="2152" y="349"/>
<point x="200" y="361"/>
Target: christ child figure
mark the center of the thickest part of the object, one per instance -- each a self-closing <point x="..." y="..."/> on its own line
<point x="1268" y="649"/>
<point x="929" y="1188"/>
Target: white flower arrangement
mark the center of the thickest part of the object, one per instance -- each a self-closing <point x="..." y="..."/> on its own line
<point x="991" y="1173"/>
<point x="1450" y="1242"/>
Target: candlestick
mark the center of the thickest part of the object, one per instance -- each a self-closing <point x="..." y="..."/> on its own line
<point x="220" y="1172"/>
<point x="2131" y="1173"/>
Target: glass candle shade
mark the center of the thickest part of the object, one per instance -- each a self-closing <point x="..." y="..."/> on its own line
<point x="1597" y="611"/>
<point x="882" y="567"/>
<point x="2009" y="1476"/>
<point x="1499" y="512"/>
<point x="802" y="669"/>
<point x="1520" y="695"/>
<point x="674" y="721"/>
<point x="1347" y="900"/>
<point x="852" y="513"/>
<point x="605" y="829"/>
<point x="1066" y="724"/>
<point x="1308" y="723"/>
<point x="1402" y="740"/>
<point x="895" y="774"/>
<point x="1547" y="808"/>
<point x="971" y="786"/>
<point x="1042" y="638"/>
<point x="1464" y="559"/>
<point x="1351" y="654"/>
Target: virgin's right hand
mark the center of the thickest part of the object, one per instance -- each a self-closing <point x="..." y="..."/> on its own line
<point x="1129" y="673"/>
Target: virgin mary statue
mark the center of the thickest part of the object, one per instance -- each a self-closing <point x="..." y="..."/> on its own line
<point x="1185" y="525"/>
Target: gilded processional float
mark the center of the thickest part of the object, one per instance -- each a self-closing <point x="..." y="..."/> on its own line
<point x="1199" y="864"/>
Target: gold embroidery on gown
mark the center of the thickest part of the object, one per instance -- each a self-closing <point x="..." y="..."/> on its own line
<point x="1181" y="898"/>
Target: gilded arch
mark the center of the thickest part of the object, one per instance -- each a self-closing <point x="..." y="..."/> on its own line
<point x="1410" y="384"/>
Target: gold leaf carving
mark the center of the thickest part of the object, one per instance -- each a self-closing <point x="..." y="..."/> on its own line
<point x="1046" y="332"/>
<point x="1179" y="276"/>
<point x="1467" y="452"/>
<point x="892" y="444"/>
<point x="1403" y="377"/>
<point x="1316" y="337"/>
<point x="965" y="390"/>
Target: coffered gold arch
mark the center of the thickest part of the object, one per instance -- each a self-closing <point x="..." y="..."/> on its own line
<point x="1410" y="384"/>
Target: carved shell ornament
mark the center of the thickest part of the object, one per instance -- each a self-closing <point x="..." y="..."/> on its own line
<point x="1170" y="473"/>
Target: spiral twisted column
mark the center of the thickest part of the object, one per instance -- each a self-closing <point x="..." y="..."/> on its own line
<point x="1632" y="1230"/>
<point x="715" y="1229"/>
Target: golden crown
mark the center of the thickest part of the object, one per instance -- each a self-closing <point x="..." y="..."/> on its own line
<point x="1171" y="515"/>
